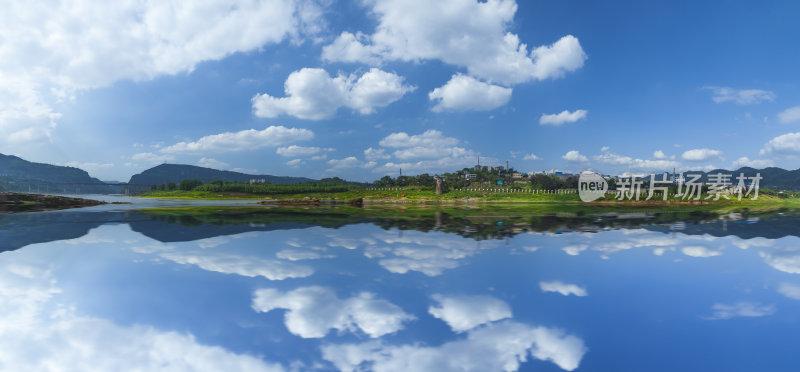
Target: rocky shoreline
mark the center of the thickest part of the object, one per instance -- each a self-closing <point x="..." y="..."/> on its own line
<point x="11" y="202"/>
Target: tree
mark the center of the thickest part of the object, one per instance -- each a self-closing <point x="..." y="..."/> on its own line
<point x="171" y="186"/>
<point x="571" y="182"/>
<point x="425" y="180"/>
<point x="188" y="185"/>
<point x="401" y="181"/>
<point x="454" y="181"/>
<point x="336" y="180"/>
<point x="541" y="181"/>
<point x="385" y="181"/>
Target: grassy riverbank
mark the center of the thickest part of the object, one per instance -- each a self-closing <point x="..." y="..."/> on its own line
<point x="563" y="202"/>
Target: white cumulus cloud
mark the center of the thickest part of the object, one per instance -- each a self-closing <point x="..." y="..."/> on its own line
<point x="500" y="346"/>
<point x="701" y="154"/>
<point x="565" y="289"/>
<point x="348" y="162"/>
<point x="754" y="163"/>
<point x="212" y="163"/>
<point x="42" y="330"/>
<point x="375" y="154"/>
<point x="574" y="249"/>
<point x="313" y="94"/>
<point x="789" y="290"/>
<point x="463" y="313"/>
<point x="430" y="138"/>
<point x="531" y="157"/>
<point x="300" y="254"/>
<point x="430" y="151"/>
<point x="430" y="254"/>
<point x="249" y="139"/>
<point x="574" y="156"/>
<point x="562" y="117"/>
<point x="783" y="258"/>
<point x="465" y="33"/>
<point x="314" y="311"/>
<point x="785" y="143"/>
<point x="465" y="93"/>
<point x="52" y="51"/>
<point x="349" y="47"/>
<point x="699" y="251"/>
<point x="230" y="263"/>
<point x="789" y="115"/>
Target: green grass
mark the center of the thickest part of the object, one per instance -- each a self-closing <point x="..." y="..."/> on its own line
<point x="181" y="194"/>
<point x="411" y="194"/>
<point x="528" y="201"/>
<point x="542" y="207"/>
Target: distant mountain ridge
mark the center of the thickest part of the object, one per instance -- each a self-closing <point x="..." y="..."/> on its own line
<point x="17" y="174"/>
<point x="771" y="177"/>
<point x="166" y="173"/>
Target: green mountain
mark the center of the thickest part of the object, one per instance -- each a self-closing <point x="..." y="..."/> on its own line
<point x="166" y="173"/>
<point x="772" y="177"/>
<point x="17" y="174"/>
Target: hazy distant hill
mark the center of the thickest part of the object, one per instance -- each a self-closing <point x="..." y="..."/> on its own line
<point x="17" y="174"/>
<point x="166" y="173"/>
<point x="772" y="177"/>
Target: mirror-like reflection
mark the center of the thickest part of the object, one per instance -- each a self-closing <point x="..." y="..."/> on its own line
<point x="283" y="290"/>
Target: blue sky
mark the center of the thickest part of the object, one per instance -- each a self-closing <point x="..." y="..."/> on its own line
<point x="361" y="89"/>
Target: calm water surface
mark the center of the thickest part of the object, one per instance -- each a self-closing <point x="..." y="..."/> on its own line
<point x="114" y="290"/>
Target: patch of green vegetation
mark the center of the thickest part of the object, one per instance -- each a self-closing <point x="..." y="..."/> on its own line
<point x="206" y="195"/>
<point x="529" y="201"/>
<point x="489" y="209"/>
<point x="11" y="202"/>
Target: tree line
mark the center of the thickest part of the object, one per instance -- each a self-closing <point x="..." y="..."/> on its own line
<point x="457" y="180"/>
<point x="255" y="188"/>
